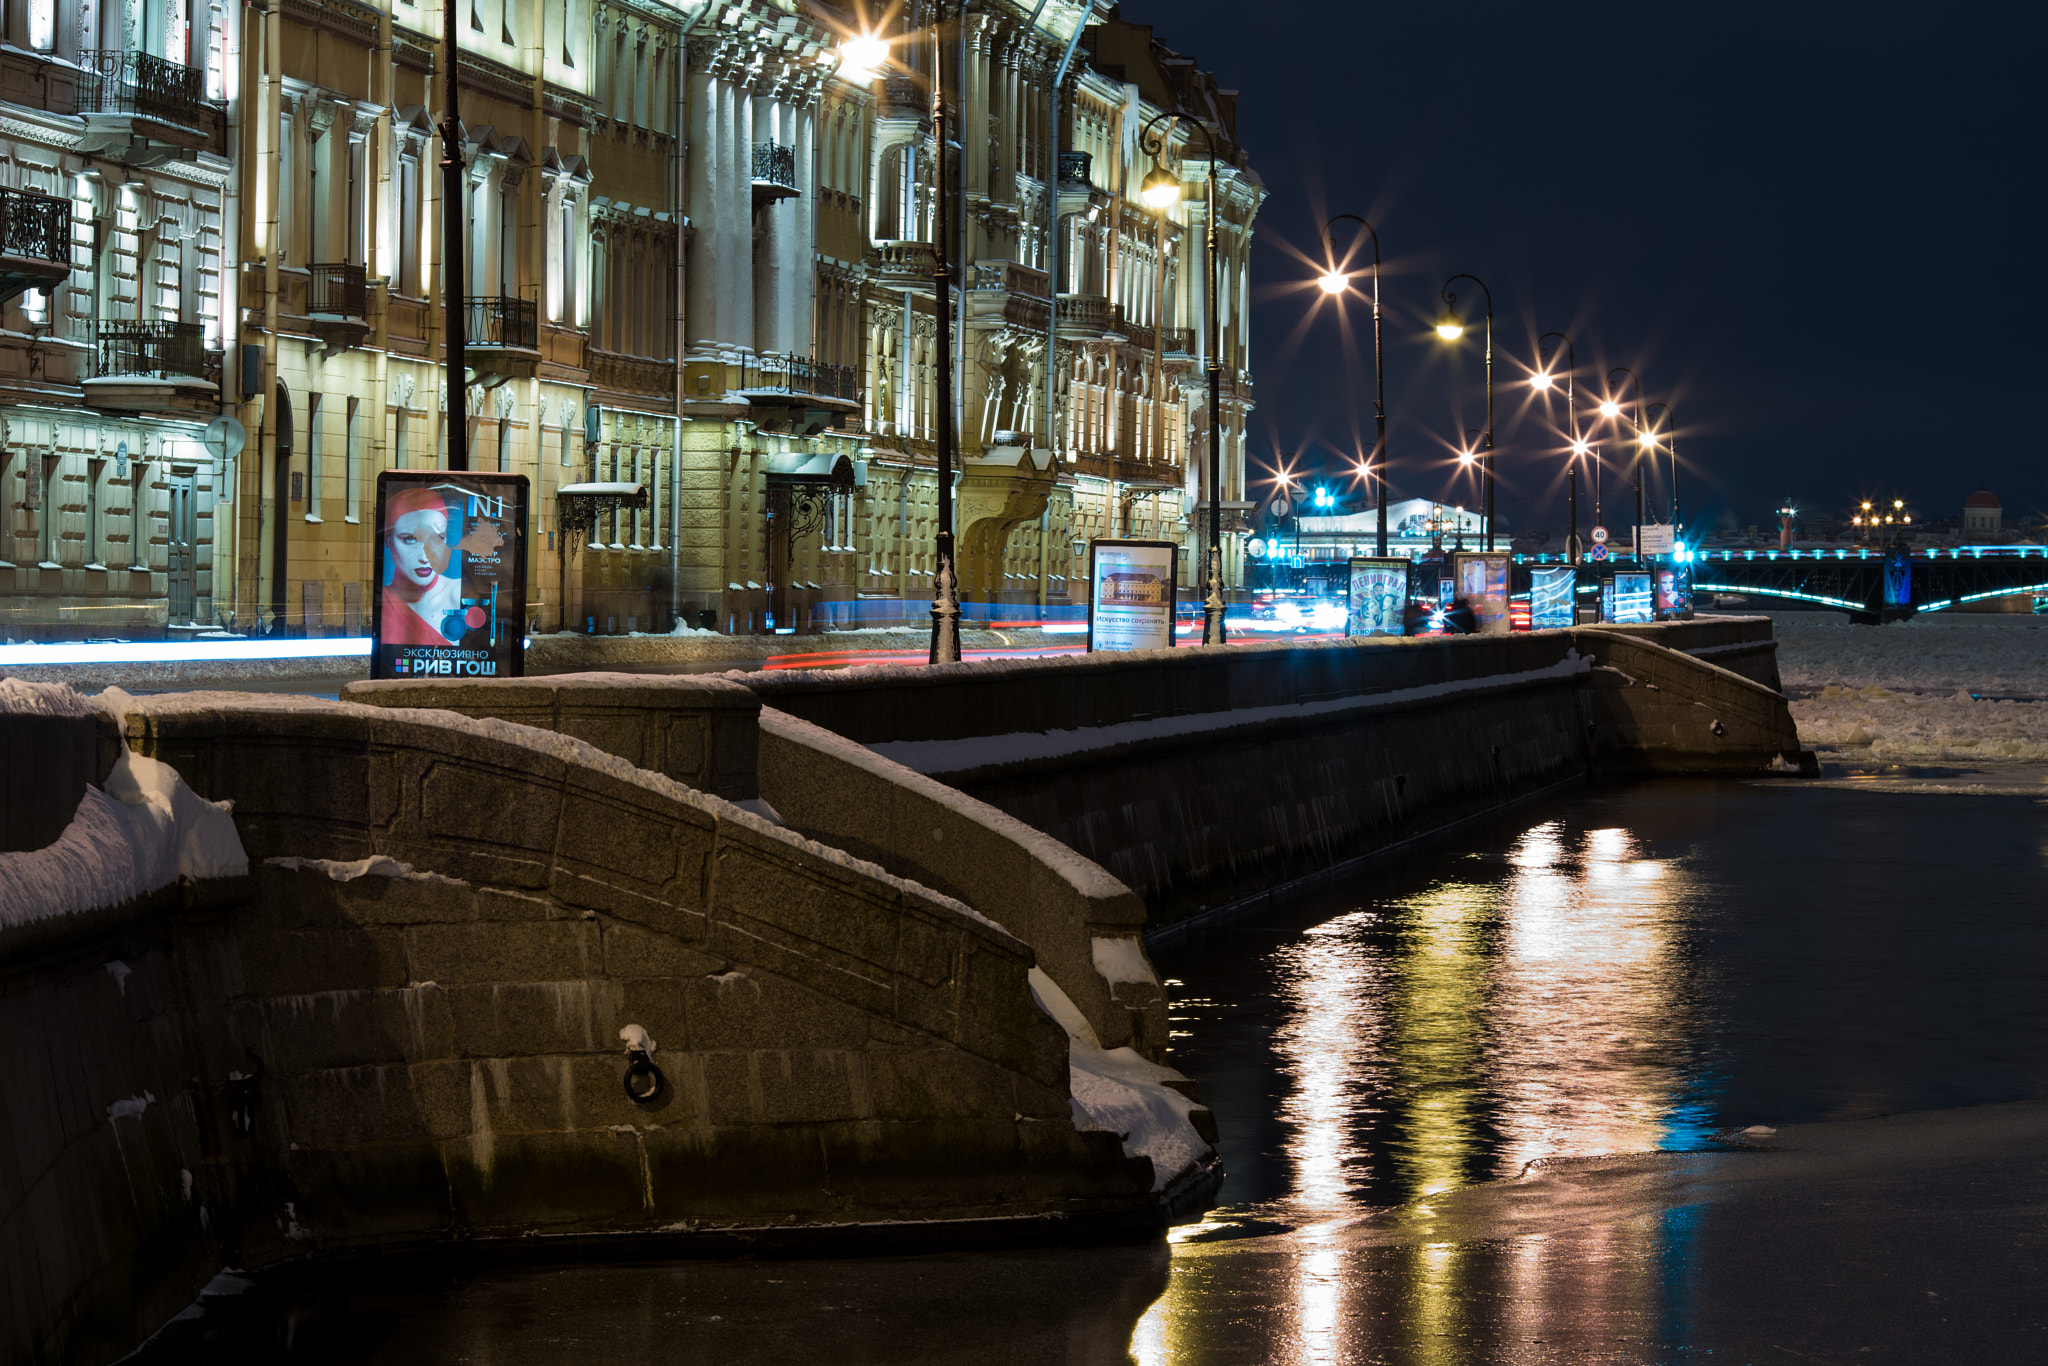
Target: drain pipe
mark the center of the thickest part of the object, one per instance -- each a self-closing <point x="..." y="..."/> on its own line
<point x="678" y="166"/>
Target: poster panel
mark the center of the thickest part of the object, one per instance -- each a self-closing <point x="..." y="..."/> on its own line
<point x="1674" y="592"/>
<point x="1378" y="597"/>
<point x="1625" y="598"/>
<point x="1131" y="594"/>
<point x="451" y="575"/>
<point x="1550" y="597"/>
<point x="1482" y="581"/>
<point x="1658" y="538"/>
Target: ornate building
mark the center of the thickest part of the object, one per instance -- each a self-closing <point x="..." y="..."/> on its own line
<point x="699" y="269"/>
<point x="115" y="201"/>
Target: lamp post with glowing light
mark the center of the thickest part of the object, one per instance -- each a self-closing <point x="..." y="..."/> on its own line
<point x="1162" y="190"/>
<point x="1336" y="282"/>
<point x="1670" y="444"/>
<point x="1450" y="327"/>
<point x="1611" y="410"/>
<point x="1542" y="380"/>
<point x="1467" y="453"/>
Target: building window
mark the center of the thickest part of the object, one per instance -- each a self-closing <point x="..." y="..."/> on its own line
<point x="352" y="460"/>
<point x="409" y="227"/>
<point x="42" y="25"/>
<point x="93" y="471"/>
<point x="46" y="521"/>
<point x="313" y="457"/>
<point x="358" y="202"/>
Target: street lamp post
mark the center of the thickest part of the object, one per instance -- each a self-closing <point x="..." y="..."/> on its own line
<point x="1670" y="441"/>
<point x="1335" y="282"/>
<point x="1543" y="380"/>
<point x="1612" y="409"/>
<point x="1450" y="328"/>
<point x="946" y="595"/>
<point x="1161" y="190"/>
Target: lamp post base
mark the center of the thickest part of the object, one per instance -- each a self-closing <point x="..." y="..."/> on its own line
<point x="945" y="607"/>
<point x="1212" y="605"/>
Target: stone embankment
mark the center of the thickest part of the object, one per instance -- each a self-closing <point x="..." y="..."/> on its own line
<point x="706" y="961"/>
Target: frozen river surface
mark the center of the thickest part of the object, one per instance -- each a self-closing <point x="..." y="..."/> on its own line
<point x="1483" y="1107"/>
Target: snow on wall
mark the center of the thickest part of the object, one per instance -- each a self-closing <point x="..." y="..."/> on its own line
<point x="1020" y="747"/>
<point x="18" y="698"/>
<point x="143" y="831"/>
<point x="1116" y="1091"/>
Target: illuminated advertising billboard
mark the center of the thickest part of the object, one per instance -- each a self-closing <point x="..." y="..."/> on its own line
<point x="450" y="575"/>
<point x="1131" y="594"/>
<point x="1674" y="592"/>
<point x="1481" y="579"/>
<point x="1378" y="596"/>
<point x="1625" y="598"/>
<point x="1550" y="597"/>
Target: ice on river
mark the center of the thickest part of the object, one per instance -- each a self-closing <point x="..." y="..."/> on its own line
<point x="1944" y="688"/>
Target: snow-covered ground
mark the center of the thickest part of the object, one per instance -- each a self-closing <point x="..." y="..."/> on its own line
<point x="1944" y="688"/>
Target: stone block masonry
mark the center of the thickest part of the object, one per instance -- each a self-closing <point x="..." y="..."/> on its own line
<point x="404" y="1027"/>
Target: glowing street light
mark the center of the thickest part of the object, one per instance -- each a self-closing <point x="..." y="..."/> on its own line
<point x="1450" y="327"/>
<point x="1542" y="381"/>
<point x="1334" y="282"/>
<point x="862" y="57"/>
<point x="1609" y="408"/>
<point x="1160" y="190"/>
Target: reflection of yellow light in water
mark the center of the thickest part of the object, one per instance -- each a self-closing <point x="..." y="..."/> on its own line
<point x="1326" y="1050"/>
<point x="1149" y="1346"/>
<point x="1435" y="1324"/>
<point x="1437" y="1019"/>
<point x="1317" y="1292"/>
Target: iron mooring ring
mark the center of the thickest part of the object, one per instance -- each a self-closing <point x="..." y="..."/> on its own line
<point x="644" y="1081"/>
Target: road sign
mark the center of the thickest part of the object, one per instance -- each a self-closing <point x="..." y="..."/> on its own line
<point x="1597" y="553"/>
<point x="1280" y="507"/>
<point x="1599" y="535"/>
<point x="225" y="437"/>
<point x="1658" y="538"/>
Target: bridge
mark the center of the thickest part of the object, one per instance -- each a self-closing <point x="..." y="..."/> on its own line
<point x="1853" y="578"/>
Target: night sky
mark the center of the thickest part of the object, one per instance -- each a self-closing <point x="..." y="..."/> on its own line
<point x="1807" y="226"/>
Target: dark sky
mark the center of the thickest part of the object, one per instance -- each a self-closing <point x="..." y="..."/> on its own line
<point x="1816" y="229"/>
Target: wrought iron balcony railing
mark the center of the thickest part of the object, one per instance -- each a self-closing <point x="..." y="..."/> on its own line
<point x="35" y="225"/>
<point x="117" y="82"/>
<point x="633" y="374"/>
<point x="339" y="289"/>
<point x="497" y="321"/>
<point x="775" y="164"/>
<point x="804" y="375"/>
<point x="903" y="97"/>
<point x="154" y="350"/>
<point x="1076" y="168"/>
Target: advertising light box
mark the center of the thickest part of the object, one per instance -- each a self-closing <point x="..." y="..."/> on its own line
<point x="1550" y="597"/>
<point x="1131" y="594"/>
<point x="1481" y="579"/>
<point x="1674" y="592"/>
<point x="1625" y="599"/>
<point x="1377" y="598"/>
<point x="450" y="575"/>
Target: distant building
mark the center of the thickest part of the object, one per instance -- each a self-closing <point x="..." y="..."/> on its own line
<point x="1983" y="512"/>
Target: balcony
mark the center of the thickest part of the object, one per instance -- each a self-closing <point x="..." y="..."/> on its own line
<point x="153" y="367"/>
<point x="1086" y="317"/>
<point x="802" y="395"/>
<point x="144" y="111"/>
<point x="904" y="98"/>
<point x="338" y="304"/>
<point x="903" y="265"/>
<point x="774" y="173"/>
<point x="35" y="242"/>
<point x="629" y="374"/>
<point x="500" y="338"/>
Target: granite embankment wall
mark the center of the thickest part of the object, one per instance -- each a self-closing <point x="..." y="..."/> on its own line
<point x="408" y="1031"/>
<point x="1201" y="778"/>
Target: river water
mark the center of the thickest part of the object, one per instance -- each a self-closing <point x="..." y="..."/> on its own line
<point x="1481" y="1106"/>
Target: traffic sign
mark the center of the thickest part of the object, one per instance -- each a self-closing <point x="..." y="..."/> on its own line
<point x="1597" y="553"/>
<point x="225" y="437"/>
<point x="1599" y="535"/>
<point x="1280" y="507"/>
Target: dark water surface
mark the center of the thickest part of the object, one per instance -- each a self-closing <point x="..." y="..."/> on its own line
<point x="1622" y="974"/>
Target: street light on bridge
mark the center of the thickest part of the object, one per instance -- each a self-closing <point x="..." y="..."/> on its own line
<point x="1333" y="283"/>
<point x="1542" y="381"/>
<point x="1451" y="327"/>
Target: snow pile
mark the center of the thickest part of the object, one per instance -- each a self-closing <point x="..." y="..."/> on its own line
<point x="21" y="698"/>
<point x="1941" y="687"/>
<point x="1116" y="1091"/>
<point x="376" y="865"/>
<point x="144" y="831"/>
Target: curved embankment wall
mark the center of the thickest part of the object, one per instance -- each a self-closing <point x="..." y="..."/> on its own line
<point x="403" y="1027"/>
<point x="1201" y="778"/>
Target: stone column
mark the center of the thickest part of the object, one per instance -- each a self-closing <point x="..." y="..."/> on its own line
<point x="800" y="295"/>
<point x="736" y="302"/>
<point x="700" y="205"/>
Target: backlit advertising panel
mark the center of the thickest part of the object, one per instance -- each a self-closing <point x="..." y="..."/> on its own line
<point x="1625" y="599"/>
<point x="1481" y="579"/>
<point x="1131" y="594"/>
<point x="1550" y="597"/>
<point x="1378" y="596"/>
<point x="450" y="575"/>
<point x="1674" y="592"/>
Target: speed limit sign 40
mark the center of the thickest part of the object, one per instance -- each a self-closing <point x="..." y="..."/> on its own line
<point x="1599" y="535"/>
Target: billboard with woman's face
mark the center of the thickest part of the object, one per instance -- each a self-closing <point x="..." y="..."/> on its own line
<point x="450" y="575"/>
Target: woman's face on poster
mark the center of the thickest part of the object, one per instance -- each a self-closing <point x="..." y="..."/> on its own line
<point x="419" y="547"/>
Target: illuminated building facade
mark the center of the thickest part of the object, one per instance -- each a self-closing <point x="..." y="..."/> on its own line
<point x="115" y="201"/>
